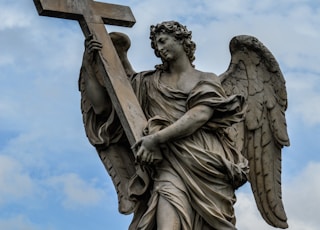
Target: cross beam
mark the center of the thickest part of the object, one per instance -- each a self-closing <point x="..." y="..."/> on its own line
<point x="92" y="16"/>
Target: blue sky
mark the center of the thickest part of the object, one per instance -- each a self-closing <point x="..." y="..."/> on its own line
<point x="50" y="176"/>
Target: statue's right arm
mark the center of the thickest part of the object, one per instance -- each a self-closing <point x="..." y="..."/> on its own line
<point x="95" y="90"/>
<point x="96" y="93"/>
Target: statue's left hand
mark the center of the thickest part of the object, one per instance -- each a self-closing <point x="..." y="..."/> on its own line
<point x="148" y="150"/>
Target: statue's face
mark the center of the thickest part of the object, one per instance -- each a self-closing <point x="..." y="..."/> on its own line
<point x="168" y="46"/>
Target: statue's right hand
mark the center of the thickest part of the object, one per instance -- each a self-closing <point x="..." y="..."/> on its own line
<point x="89" y="61"/>
<point x="92" y="46"/>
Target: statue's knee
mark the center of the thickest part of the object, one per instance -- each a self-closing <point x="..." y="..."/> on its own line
<point x="167" y="216"/>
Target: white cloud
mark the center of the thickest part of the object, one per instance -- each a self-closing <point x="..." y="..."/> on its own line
<point x="9" y="17"/>
<point x="6" y="60"/>
<point x="248" y="217"/>
<point x="15" y="183"/>
<point x="77" y="193"/>
<point x="19" y="222"/>
<point x="301" y="197"/>
<point x="304" y="96"/>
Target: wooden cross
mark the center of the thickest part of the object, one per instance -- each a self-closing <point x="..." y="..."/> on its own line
<point x="92" y="16"/>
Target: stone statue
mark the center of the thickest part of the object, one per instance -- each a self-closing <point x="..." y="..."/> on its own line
<point x="205" y="136"/>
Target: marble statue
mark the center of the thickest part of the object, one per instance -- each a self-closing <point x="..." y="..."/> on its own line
<point x="205" y="136"/>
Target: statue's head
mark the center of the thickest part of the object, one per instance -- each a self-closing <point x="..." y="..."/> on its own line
<point x="179" y="32"/>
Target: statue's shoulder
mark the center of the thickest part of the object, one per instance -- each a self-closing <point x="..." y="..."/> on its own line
<point x="209" y="76"/>
<point x="144" y="74"/>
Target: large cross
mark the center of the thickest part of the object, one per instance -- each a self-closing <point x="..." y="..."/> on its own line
<point x="92" y="16"/>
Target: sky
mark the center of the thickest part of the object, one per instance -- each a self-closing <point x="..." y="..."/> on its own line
<point x="51" y="177"/>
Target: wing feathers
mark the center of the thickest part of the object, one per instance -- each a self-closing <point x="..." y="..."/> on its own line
<point x="279" y="126"/>
<point x="255" y="74"/>
<point x="117" y="162"/>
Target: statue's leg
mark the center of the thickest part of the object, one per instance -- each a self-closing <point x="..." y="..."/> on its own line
<point x="167" y="217"/>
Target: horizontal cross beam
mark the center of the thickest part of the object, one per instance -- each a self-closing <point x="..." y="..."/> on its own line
<point x="92" y="16"/>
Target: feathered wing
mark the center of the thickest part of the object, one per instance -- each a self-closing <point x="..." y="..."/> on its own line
<point x="112" y="147"/>
<point x="255" y="74"/>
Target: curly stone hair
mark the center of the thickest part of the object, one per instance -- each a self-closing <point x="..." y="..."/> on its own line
<point x="180" y="33"/>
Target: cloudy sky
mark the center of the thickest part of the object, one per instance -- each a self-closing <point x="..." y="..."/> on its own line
<point x="50" y="176"/>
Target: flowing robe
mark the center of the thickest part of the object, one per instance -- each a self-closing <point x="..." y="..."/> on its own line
<point x="199" y="173"/>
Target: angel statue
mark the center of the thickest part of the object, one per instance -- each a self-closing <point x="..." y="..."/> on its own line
<point x="205" y="137"/>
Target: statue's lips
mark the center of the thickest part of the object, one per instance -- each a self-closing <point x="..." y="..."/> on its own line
<point x="164" y="53"/>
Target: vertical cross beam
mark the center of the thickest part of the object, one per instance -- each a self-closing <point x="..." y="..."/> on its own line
<point x="92" y="16"/>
